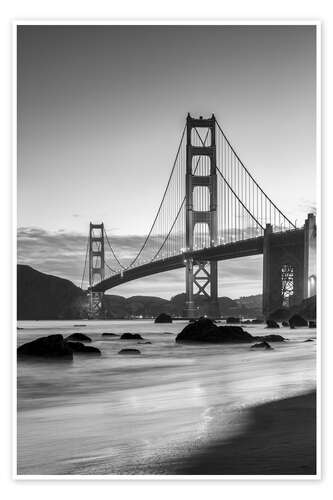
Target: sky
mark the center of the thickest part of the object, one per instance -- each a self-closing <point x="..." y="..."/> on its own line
<point x="100" y="113"/>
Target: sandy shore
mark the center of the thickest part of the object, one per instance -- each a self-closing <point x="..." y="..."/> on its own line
<point x="280" y="440"/>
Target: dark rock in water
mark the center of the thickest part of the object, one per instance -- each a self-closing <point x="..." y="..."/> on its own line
<point x="308" y="340"/>
<point x="20" y="328"/>
<point x="204" y="330"/>
<point x="285" y="323"/>
<point x="246" y="322"/>
<point x="271" y="338"/>
<point x="80" y="337"/>
<point x="142" y="343"/>
<point x="106" y="334"/>
<point x="297" y="320"/>
<point x="261" y="345"/>
<point x="53" y="346"/>
<point x="80" y="325"/>
<point x="129" y="351"/>
<point x="231" y="320"/>
<point x="163" y="318"/>
<point x="84" y="349"/>
<point x="271" y="323"/>
<point x="131" y="336"/>
<point x="312" y="324"/>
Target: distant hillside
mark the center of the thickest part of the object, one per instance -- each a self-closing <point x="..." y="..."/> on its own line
<point x="43" y="296"/>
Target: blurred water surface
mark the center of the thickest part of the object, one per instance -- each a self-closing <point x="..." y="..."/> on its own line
<point x="135" y="414"/>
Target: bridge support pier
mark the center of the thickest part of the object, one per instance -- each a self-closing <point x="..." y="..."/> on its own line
<point x="289" y="266"/>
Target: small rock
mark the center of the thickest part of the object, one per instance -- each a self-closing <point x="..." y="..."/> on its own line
<point x="163" y="318"/>
<point x="271" y="323"/>
<point x="142" y="343"/>
<point x="312" y="324"/>
<point x="80" y="337"/>
<point x="107" y="334"/>
<point x="84" y="349"/>
<point x="257" y="321"/>
<point x="261" y="345"/>
<point x="131" y="336"/>
<point x="308" y="340"/>
<point x="129" y="351"/>
<point x="232" y="320"/>
<point x="285" y="323"/>
<point x="271" y="338"/>
<point x="297" y="320"/>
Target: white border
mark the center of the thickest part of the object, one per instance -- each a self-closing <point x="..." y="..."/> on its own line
<point x="319" y="200"/>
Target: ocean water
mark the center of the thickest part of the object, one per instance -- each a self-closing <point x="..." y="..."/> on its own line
<point x="138" y="414"/>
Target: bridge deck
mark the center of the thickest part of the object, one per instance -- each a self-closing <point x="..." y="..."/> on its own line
<point x="242" y="248"/>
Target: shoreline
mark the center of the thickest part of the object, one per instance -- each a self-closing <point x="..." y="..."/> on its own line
<point x="281" y="440"/>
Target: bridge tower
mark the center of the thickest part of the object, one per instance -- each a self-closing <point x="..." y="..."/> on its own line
<point x="96" y="268"/>
<point x="202" y="274"/>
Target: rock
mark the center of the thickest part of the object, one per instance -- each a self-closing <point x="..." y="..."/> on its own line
<point x="297" y="320"/>
<point x="80" y="337"/>
<point x="142" y="343"/>
<point x="308" y="340"/>
<point x="312" y="324"/>
<point x="231" y="320"/>
<point x="163" y="318"/>
<point x="80" y="325"/>
<point x="271" y="338"/>
<point x="204" y="330"/>
<point x="106" y="334"/>
<point x="129" y="351"/>
<point x="53" y="346"/>
<point x="131" y="336"/>
<point x="285" y="323"/>
<point x="271" y="323"/>
<point x="246" y="322"/>
<point x="261" y="345"/>
<point x="83" y="349"/>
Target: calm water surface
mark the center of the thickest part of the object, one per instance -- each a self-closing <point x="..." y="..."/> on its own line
<point x="135" y="414"/>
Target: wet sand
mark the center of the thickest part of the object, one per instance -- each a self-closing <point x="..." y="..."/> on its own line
<point x="280" y="440"/>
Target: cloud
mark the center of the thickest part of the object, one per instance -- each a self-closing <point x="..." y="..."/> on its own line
<point x="63" y="254"/>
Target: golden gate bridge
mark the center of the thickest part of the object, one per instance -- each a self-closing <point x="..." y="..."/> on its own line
<point x="212" y="209"/>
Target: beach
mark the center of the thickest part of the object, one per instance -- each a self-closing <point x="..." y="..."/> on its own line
<point x="172" y="410"/>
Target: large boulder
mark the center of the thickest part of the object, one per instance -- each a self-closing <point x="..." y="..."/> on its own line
<point x="271" y="323"/>
<point x="204" y="330"/>
<point x="297" y="320"/>
<point x="83" y="349"/>
<point x="131" y="336"/>
<point x="163" y="318"/>
<point x="79" y="337"/>
<point x="53" y="346"/>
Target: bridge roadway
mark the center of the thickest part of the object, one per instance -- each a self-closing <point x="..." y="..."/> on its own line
<point x="234" y="250"/>
<point x="242" y="248"/>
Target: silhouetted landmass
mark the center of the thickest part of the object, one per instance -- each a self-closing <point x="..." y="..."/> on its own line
<point x="42" y="296"/>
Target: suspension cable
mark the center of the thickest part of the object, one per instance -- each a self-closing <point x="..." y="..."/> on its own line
<point x="159" y="208"/>
<point x="113" y="253"/>
<point x="251" y="177"/>
<point x="85" y="264"/>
